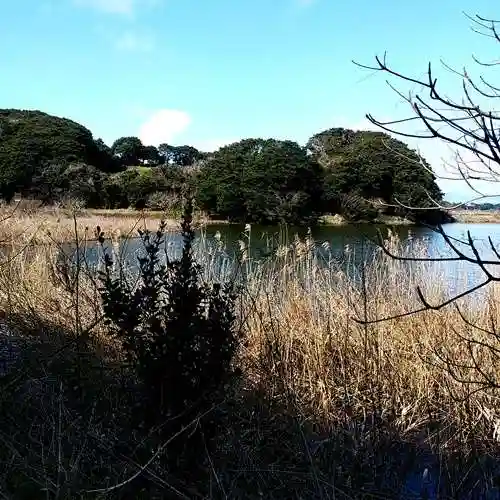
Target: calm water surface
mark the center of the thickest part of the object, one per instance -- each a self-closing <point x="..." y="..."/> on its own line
<point x="344" y="246"/>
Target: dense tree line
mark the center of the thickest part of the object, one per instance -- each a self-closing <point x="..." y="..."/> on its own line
<point x="472" y="206"/>
<point x="375" y="169"/>
<point x="339" y="171"/>
<point x="259" y="180"/>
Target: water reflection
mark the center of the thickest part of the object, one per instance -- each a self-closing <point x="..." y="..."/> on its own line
<point x="346" y="248"/>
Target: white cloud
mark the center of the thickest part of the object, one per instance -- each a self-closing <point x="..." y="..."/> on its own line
<point x="124" y="7"/>
<point x="164" y="125"/>
<point x="134" y="42"/>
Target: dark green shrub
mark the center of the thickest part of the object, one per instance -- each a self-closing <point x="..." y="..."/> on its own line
<point x="144" y="187"/>
<point x="177" y="333"/>
<point x="165" y="202"/>
<point x="75" y="181"/>
<point x="113" y="193"/>
<point x="83" y="182"/>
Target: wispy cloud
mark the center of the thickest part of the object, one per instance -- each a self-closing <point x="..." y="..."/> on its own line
<point x="123" y="7"/>
<point x="164" y="125"/>
<point x="134" y="42"/>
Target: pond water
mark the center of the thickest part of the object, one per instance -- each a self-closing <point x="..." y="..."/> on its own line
<point x="346" y="247"/>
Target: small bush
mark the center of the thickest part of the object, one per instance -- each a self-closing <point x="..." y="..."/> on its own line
<point x="355" y="208"/>
<point x="177" y="333"/>
<point x="165" y="202"/>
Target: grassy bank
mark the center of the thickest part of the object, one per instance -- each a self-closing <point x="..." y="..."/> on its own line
<point x="389" y="220"/>
<point x="327" y="408"/>
<point x="29" y="223"/>
<point x="476" y="216"/>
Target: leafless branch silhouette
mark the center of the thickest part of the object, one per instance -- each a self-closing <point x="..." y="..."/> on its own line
<point x="468" y="126"/>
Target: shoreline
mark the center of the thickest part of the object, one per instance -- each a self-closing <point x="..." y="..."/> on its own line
<point x="57" y="225"/>
<point x="476" y="216"/>
<point x="389" y="220"/>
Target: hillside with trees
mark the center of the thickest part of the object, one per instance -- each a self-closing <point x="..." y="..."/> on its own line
<point x="32" y="141"/>
<point x="257" y="180"/>
<point x="359" y="175"/>
<point x="365" y="171"/>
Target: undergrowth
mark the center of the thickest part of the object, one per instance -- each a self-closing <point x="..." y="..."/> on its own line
<point x="173" y="383"/>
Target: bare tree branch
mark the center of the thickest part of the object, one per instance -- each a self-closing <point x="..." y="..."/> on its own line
<point x="466" y="126"/>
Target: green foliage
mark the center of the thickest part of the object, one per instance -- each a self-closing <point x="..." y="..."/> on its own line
<point x="84" y="183"/>
<point x="134" y="186"/>
<point x="264" y="181"/>
<point x="30" y="141"/>
<point x="371" y="165"/>
<point x="75" y="181"/>
<point x="128" y="189"/>
<point x="165" y="152"/>
<point x="254" y="180"/>
<point x="165" y="202"/>
<point x="178" y="333"/>
<point x="128" y="151"/>
<point x="105" y="160"/>
<point x="150" y="155"/>
<point x="181" y="156"/>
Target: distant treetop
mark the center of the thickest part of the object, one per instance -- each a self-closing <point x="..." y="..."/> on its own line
<point x="358" y="174"/>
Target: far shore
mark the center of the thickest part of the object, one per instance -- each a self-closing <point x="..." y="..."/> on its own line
<point x="55" y="225"/>
<point x="476" y="216"/>
<point x="48" y="225"/>
<point x="460" y="216"/>
<point x="32" y="224"/>
<point x="388" y="220"/>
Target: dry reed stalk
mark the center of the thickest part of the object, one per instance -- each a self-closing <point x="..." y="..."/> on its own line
<point x="28" y="222"/>
<point x="304" y="343"/>
<point x="410" y="370"/>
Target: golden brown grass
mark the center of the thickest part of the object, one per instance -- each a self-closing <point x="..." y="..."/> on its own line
<point x="303" y="337"/>
<point x="431" y="377"/>
<point x="417" y="371"/>
<point x="476" y="216"/>
<point x="28" y="222"/>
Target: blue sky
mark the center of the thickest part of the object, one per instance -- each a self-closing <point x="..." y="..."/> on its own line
<point x="208" y="72"/>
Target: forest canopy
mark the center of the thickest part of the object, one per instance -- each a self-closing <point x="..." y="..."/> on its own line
<point x="374" y="167"/>
<point x="357" y="174"/>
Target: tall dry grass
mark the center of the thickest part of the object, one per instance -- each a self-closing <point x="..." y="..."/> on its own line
<point x="429" y="380"/>
<point x="476" y="216"/>
<point x="435" y="367"/>
<point x="28" y="222"/>
<point x="300" y="317"/>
